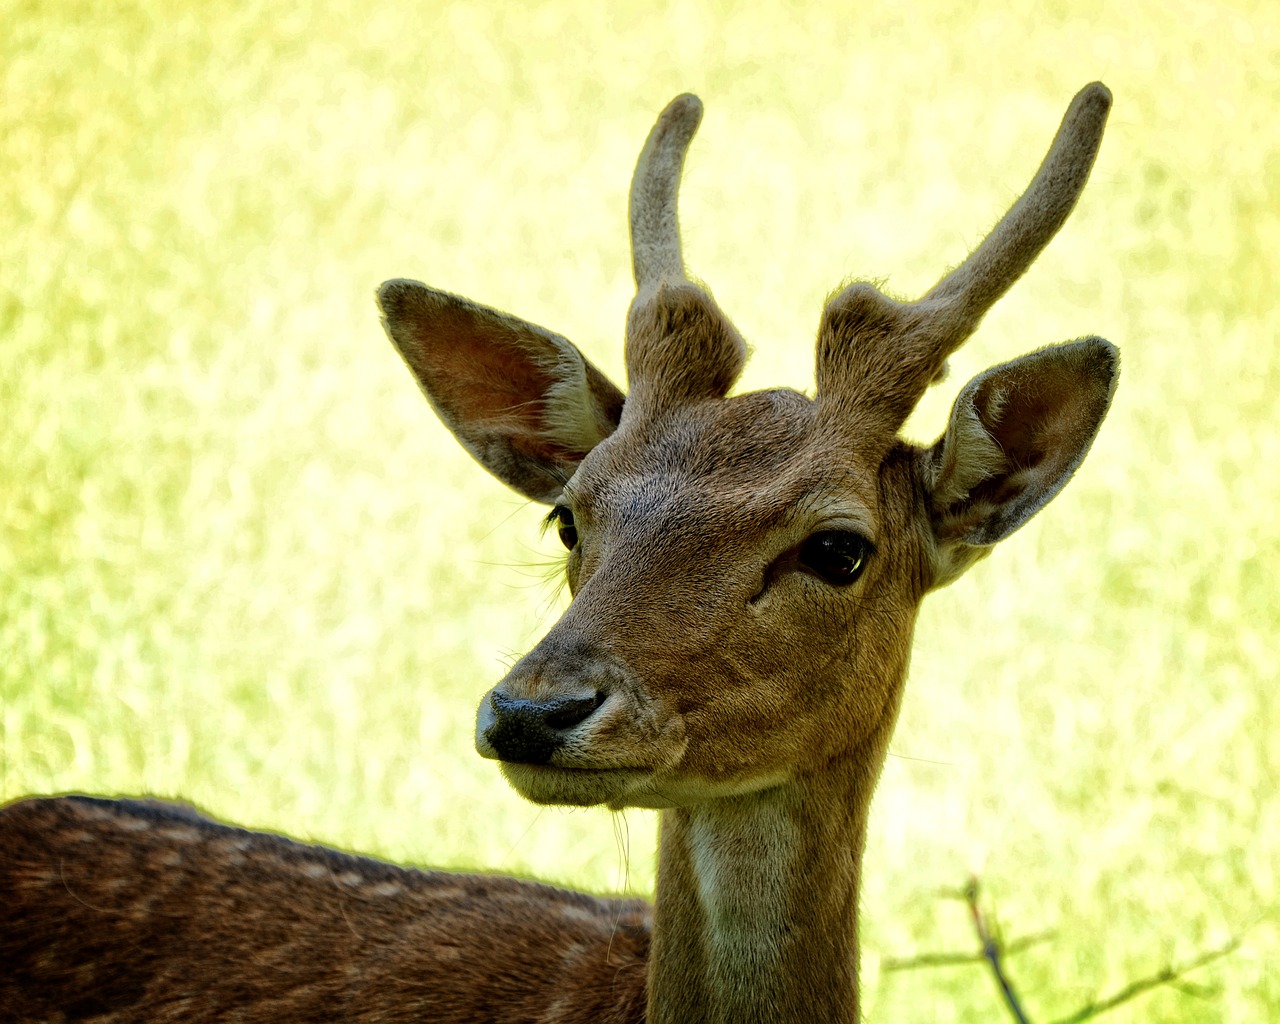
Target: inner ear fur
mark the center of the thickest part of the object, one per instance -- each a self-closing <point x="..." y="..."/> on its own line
<point x="1016" y="435"/>
<point x="521" y="399"/>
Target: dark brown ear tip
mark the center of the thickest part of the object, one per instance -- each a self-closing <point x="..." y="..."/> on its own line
<point x="394" y="295"/>
<point x="1097" y="360"/>
<point x="1103" y="355"/>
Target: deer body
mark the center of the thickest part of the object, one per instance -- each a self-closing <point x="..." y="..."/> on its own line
<point x="124" y="911"/>
<point x="746" y="574"/>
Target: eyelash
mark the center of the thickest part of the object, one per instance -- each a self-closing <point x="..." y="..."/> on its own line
<point x="561" y="517"/>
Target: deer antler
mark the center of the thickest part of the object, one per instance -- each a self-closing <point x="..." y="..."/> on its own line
<point x="680" y="346"/>
<point x="965" y="294"/>
<point x="873" y="350"/>
<point x="655" y="226"/>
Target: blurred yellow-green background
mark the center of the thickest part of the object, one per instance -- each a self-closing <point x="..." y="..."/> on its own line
<point x="241" y="563"/>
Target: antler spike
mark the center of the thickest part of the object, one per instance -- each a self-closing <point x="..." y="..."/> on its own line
<point x="655" y="227"/>
<point x="969" y="290"/>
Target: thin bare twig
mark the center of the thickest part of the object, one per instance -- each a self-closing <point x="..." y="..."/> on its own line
<point x="1170" y="975"/>
<point x="924" y="960"/>
<point x="994" y="951"/>
<point x="991" y="952"/>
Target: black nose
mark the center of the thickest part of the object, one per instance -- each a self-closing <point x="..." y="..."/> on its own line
<point x="530" y="731"/>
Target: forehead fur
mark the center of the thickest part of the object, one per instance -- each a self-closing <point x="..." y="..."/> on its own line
<point x="755" y="459"/>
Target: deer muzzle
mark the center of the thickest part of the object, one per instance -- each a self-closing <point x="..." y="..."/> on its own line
<point x="531" y="731"/>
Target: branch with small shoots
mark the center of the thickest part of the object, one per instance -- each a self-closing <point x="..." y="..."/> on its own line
<point x="1170" y="975"/>
<point x="995" y="951"/>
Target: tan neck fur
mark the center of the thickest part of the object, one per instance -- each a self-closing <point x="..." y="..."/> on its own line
<point x="757" y="895"/>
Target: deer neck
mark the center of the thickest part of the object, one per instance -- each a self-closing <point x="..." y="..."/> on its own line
<point x="756" y="911"/>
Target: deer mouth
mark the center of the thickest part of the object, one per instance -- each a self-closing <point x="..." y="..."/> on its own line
<point x="580" y="787"/>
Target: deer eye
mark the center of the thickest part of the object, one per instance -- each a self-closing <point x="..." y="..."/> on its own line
<point x="837" y="556"/>
<point x="561" y="517"/>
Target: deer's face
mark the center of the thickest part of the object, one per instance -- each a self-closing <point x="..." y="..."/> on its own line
<point x="706" y="575"/>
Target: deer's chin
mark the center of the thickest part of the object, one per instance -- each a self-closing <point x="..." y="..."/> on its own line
<point x="580" y="787"/>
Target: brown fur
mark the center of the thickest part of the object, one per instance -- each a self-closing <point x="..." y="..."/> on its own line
<point x="711" y="664"/>
<point x="134" y="912"/>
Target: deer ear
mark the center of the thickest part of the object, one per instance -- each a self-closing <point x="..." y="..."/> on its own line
<point x="522" y="400"/>
<point x="1016" y="435"/>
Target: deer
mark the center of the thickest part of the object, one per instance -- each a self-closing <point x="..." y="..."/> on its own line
<point x="745" y="572"/>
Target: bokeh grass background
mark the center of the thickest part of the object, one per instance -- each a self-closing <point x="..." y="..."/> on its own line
<point x="240" y="562"/>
